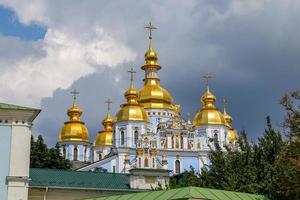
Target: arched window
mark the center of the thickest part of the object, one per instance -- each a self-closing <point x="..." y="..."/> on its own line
<point x="75" y="154"/>
<point x="136" y="136"/>
<point x="181" y="142"/>
<point x="153" y="163"/>
<point x="64" y="152"/>
<point x="140" y="162"/>
<point x="100" y="156"/>
<point x="177" y="166"/>
<point x="177" y="142"/>
<point x="122" y="137"/>
<point x="85" y="151"/>
<point x="146" y="162"/>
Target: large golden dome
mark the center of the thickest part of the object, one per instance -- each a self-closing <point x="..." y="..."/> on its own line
<point x="105" y="137"/>
<point x="152" y="95"/>
<point x="208" y="114"/>
<point x="74" y="130"/>
<point x="132" y="110"/>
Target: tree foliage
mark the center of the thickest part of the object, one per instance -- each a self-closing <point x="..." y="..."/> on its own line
<point x="42" y="157"/>
<point x="271" y="166"/>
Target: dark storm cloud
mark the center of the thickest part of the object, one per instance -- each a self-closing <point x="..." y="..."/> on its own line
<point x="253" y="56"/>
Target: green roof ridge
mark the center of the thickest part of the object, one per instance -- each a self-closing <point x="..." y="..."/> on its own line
<point x="15" y="107"/>
<point x="186" y="193"/>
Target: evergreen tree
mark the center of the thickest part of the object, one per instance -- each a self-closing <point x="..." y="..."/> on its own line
<point x="39" y="153"/>
<point x="185" y="179"/>
<point x="288" y="162"/>
<point x="42" y="157"/>
<point x="55" y="160"/>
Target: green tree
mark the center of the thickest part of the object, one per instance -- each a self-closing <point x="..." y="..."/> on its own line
<point x="288" y="162"/>
<point x="39" y="152"/>
<point x="185" y="179"/>
<point x="42" y="157"/>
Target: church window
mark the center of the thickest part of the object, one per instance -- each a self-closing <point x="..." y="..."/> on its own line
<point x="136" y="136"/>
<point x="122" y="137"/>
<point x="100" y="156"/>
<point x="181" y="142"/>
<point x="64" y="152"/>
<point x="146" y="162"/>
<point x="177" y="166"/>
<point x="153" y="162"/>
<point x="177" y="142"/>
<point x="85" y="151"/>
<point x="75" y="154"/>
<point x="140" y="162"/>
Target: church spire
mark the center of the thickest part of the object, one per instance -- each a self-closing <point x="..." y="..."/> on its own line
<point x="151" y="56"/>
<point x="208" y="98"/>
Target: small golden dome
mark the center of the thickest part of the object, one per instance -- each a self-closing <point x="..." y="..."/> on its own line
<point x="132" y="110"/>
<point x="74" y="130"/>
<point x="232" y="134"/>
<point x="208" y="114"/>
<point x="105" y="137"/>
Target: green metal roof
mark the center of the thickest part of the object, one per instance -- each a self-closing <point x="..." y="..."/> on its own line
<point x="77" y="179"/>
<point x="15" y="107"/>
<point x="184" y="194"/>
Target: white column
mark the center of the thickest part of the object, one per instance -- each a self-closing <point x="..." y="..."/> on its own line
<point x="18" y="177"/>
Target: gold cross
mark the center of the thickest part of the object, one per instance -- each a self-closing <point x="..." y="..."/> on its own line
<point x="207" y="77"/>
<point x="131" y="71"/>
<point x="109" y="102"/>
<point x="150" y="27"/>
<point x="75" y="93"/>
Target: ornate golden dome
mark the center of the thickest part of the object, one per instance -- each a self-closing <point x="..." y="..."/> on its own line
<point x="132" y="110"/>
<point x="208" y="114"/>
<point x="152" y="95"/>
<point x="232" y="133"/>
<point x="105" y="137"/>
<point x="74" y="130"/>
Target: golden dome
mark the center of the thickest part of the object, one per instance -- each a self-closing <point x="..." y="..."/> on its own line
<point x="74" y="130"/>
<point x="132" y="110"/>
<point x="208" y="114"/>
<point x="105" y="137"/>
<point x="152" y="95"/>
<point x="232" y="134"/>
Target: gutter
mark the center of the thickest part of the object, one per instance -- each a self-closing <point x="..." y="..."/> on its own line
<point x="81" y="188"/>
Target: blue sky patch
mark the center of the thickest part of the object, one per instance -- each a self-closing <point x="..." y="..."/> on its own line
<point x="11" y="26"/>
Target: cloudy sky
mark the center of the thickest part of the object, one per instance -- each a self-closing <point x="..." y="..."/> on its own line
<point x="48" y="48"/>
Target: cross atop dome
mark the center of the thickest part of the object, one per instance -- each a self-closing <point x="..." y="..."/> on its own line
<point x="150" y="27"/>
<point x="75" y="93"/>
<point x="207" y="77"/>
<point x="108" y="102"/>
<point x="132" y="72"/>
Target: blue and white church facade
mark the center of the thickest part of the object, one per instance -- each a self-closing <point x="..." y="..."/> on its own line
<point x="148" y="131"/>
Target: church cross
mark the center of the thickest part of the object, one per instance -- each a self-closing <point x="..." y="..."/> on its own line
<point x="132" y="72"/>
<point x="207" y="77"/>
<point x="108" y="102"/>
<point x="75" y="93"/>
<point x="150" y="27"/>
